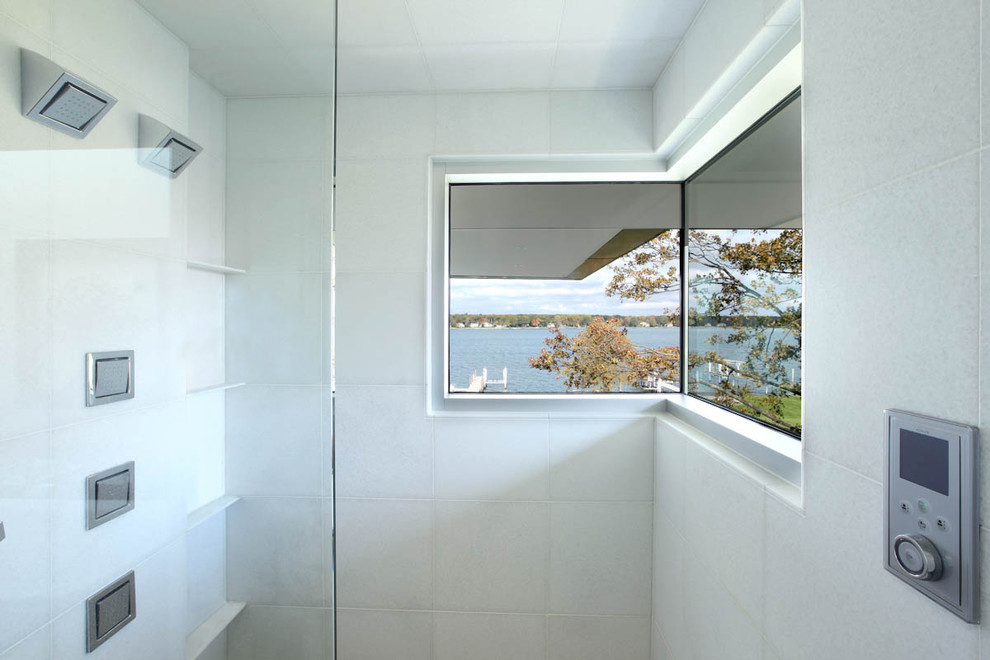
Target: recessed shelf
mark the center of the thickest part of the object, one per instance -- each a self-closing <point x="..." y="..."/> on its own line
<point x="214" y="388"/>
<point x="214" y="268"/>
<point x="204" y="513"/>
<point x="199" y="639"/>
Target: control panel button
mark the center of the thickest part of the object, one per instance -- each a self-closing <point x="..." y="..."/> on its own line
<point x="923" y="524"/>
<point x="942" y="524"/>
<point x="918" y="557"/>
<point x="924" y="506"/>
<point x="906" y="507"/>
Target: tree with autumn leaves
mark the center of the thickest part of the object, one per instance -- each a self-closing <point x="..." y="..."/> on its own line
<point x="748" y="281"/>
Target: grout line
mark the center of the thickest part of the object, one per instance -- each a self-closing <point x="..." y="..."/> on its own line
<point x="487" y="613"/>
<point x="893" y="181"/>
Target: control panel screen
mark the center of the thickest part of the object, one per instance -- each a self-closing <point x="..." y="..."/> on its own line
<point x="925" y="461"/>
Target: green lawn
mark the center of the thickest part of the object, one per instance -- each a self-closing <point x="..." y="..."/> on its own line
<point x="791" y="409"/>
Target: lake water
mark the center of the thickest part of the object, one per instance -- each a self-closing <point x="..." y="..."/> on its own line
<point x="472" y="349"/>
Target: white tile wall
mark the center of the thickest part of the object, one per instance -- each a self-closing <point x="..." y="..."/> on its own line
<point x="586" y="455"/>
<point x="206" y="588"/>
<point x="491" y="556"/>
<point x="371" y="635"/>
<point x="487" y="481"/>
<point x="385" y="554"/>
<point x="489" y="636"/>
<point x="275" y="552"/>
<point x="592" y="637"/>
<point x="278" y="197"/>
<point x="25" y="505"/>
<point x="600" y="556"/>
<point x="92" y="252"/>
<point x="274" y="441"/>
<point x="495" y="459"/>
<point x="266" y="633"/>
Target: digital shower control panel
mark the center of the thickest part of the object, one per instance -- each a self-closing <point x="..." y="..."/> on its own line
<point x="930" y="526"/>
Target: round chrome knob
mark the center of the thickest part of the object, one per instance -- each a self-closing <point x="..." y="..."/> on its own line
<point x="918" y="557"/>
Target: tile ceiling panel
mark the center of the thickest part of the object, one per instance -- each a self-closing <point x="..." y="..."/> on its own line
<point x="284" y="46"/>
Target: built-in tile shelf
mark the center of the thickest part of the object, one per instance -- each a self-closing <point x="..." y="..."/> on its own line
<point x="214" y="388"/>
<point x="215" y="268"/>
<point x="201" y="638"/>
<point x="207" y="511"/>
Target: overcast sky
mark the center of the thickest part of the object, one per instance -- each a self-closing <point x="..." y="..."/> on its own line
<point x="587" y="296"/>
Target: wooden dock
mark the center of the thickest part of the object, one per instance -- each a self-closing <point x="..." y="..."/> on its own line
<point x="481" y="383"/>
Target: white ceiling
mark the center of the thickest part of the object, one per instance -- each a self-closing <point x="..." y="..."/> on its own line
<point x="249" y="47"/>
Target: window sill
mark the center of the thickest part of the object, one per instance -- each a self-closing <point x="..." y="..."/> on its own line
<point x="771" y="456"/>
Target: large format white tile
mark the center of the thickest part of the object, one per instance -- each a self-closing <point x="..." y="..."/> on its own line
<point x="207" y="117"/>
<point x="381" y="232"/>
<point x="918" y="248"/>
<point x="600" y="559"/>
<point x="204" y="448"/>
<point x="123" y="41"/>
<point x="83" y="561"/>
<point x="384" y="554"/>
<point x="668" y="586"/>
<point x="275" y="215"/>
<point x="274" y="440"/>
<point x="595" y="637"/>
<point x="381" y="335"/>
<point x="715" y="625"/>
<point x="601" y="459"/>
<point x="627" y="20"/>
<point x="516" y="124"/>
<point x="34" y="14"/>
<point x="206" y="584"/>
<point x="669" y="471"/>
<point x="491" y="459"/>
<point x="157" y="633"/>
<point x="21" y="140"/>
<point x="36" y="647"/>
<point x="985" y="323"/>
<point x="487" y="66"/>
<point x="25" y="333"/>
<point x="489" y="636"/>
<point x="369" y="69"/>
<point x="601" y="122"/>
<point x="205" y="226"/>
<point x="478" y="21"/>
<point x="375" y="23"/>
<point x="724" y="509"/>
<point x="868" y="124"/>
<point x="273" y="633"/>
<point x="275" y="551"/>
<point x="721" y="31"/>
<point x="385" y="126"/>
<point x="283" y="128"/>
<point x="669" y="105"/>
<point x="102" y="197"/>
<point x="615" y="65"/>
<point x="95" y="309"/>
<point x="491" y="556"/>
<point x="375" y="635"/>
<point x="274" y="331"/>
<point x="384" y="442"/>
<point x="203" y="340"/>
<point x="848" y="590"/>
<point x="25" y="555"/>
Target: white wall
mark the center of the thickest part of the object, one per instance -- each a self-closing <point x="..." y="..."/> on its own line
<point x="92" y="258"/>
<point x="893" y="172"/>
<point x="472" y="536"/>
<point x="277" y="339"/>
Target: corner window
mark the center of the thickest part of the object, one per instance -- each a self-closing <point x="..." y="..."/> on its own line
<point x="744" y="254"/>
<point x="635" y="288"/>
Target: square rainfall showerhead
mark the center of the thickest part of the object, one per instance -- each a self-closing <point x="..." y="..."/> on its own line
<point x="54" y="97"/>
<point x="164" y="150"/>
